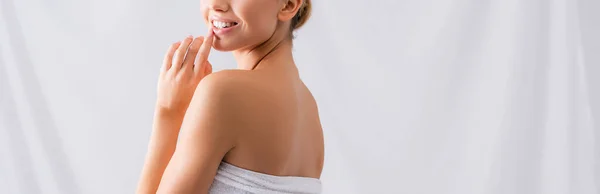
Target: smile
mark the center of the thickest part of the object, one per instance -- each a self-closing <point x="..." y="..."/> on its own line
<point x="222" y="24"/>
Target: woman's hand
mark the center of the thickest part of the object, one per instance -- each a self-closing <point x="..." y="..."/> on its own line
<point x="184" y="65"/>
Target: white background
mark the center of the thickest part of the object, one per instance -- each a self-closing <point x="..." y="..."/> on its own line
<point x="421" y="96"/>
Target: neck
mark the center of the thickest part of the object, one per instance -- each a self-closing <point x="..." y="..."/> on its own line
<point x="276" y="51"/>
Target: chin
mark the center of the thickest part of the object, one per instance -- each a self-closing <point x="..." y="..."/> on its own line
<point x="224" y="46"/>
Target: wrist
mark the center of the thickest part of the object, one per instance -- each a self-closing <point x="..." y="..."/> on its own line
<point x="168" y="113"/>
<point x="167" y="122"/>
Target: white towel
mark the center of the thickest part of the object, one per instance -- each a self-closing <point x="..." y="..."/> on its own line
<point x="231" y="179"/>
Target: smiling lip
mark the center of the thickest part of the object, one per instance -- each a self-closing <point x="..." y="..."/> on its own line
<point x="222" y="31"/>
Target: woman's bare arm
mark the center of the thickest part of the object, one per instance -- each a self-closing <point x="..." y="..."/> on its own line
<point x="178" y="80"/>
<point x="207" y="134"/>
<point x="162" y="143"/>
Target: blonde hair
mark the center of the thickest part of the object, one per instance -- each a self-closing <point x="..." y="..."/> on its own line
<point x="301" y="16"/>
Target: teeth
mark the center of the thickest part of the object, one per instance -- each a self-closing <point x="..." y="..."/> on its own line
<point x="220" y="24"/>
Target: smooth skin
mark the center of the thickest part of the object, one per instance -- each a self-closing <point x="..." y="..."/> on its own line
<point x="260" y="117"/>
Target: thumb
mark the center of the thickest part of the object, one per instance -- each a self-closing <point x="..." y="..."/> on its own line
<point x="207" y="68"/>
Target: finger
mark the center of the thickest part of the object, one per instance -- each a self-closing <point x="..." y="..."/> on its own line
<point x="206" y="38"/>
<point x="204" y="51"/>
<point x="180" y="53"/>
<point x="169" y="56"/>
<point x="188" y="62"/>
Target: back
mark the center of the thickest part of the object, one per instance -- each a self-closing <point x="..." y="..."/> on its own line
<point x="282" y="133"/>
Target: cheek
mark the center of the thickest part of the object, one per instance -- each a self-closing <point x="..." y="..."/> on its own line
<point x="262" y="25"/>
<point x="257" y="27"/>
<point x="259" y="15"/>
<point x="204" y="12"/>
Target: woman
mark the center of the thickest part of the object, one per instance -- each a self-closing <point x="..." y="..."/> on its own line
<point x="251" y="130"/>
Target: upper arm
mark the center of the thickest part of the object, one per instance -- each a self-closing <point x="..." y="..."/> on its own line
<point x="207" y="134"/>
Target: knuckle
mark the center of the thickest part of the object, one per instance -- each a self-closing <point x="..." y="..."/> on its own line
<point x="168" y="75"/>
<point x="181" y="78"/>
<point x="195" y="49"/>
<point x="191" y="52"/>
<point x="176" y="63"/>
<point x="201" y="57"/>
<point x="178" y="56"/>
<point x="180" y="50"/>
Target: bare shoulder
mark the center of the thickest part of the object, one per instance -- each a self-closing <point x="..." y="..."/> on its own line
<point x="229" y="89"/>
<point x="225" y="80"/>
<point x="230" y="82"/>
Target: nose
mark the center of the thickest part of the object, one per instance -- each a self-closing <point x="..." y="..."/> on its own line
<point x="217" y="5"/>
